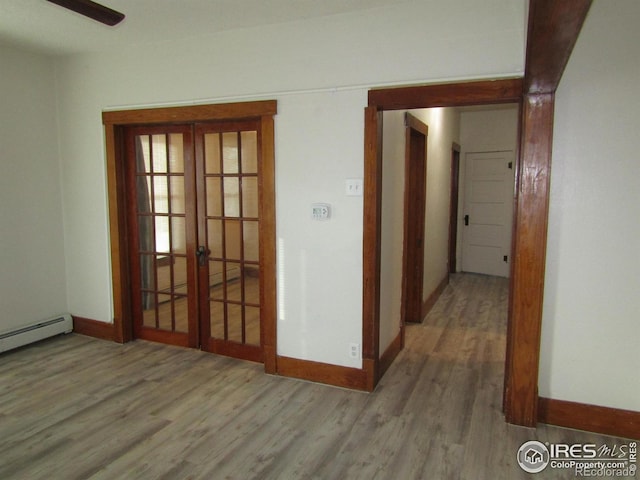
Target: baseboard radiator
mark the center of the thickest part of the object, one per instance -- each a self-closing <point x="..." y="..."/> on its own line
<point x="38" y="331"/>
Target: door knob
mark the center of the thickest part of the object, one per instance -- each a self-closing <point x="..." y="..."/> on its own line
<point x="202" y="253"/>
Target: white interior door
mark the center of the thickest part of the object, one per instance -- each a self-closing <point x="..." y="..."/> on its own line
<point x="488" y="212"/>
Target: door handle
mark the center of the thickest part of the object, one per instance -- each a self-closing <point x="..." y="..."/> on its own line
<point x="466" y="220"/>
<point x="202" y="253"/>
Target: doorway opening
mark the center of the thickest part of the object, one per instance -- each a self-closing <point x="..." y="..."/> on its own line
<point x="520" y="403"/>
<point x="416" y="261"/>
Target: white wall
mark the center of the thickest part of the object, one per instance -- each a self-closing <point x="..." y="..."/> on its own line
<point x="591" y="329"/>
<point x="320" y="262"/>
<point x="392" y="230"/>
<point x="444" y="128"/>
<point x="32" y="270"/>
<point x="319" y="136"/>
<point x="483" y="130"/>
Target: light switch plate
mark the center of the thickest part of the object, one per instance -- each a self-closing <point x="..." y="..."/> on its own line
<point x="354" y="187"/>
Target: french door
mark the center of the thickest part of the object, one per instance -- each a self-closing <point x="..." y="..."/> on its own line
<point x="194" y="217"/>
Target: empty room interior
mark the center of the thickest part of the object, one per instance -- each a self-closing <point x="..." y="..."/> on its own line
<point x="295" y="239"/>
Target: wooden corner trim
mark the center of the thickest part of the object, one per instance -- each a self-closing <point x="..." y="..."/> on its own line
<point x="390" y="353"/>
<point x="335" y="375"/>
<point x="592" y="418"/>
<point x="93" y="328"/>
<point x="371" y="369"/>
<point x="415" y="123"/>
<point x="433" y="298"/>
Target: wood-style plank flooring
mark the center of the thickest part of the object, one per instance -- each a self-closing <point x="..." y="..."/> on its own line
<point x="74" y="407"/>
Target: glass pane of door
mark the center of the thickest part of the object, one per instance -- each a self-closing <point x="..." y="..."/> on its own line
<point x="230" y="224"/>
<point x="161" y="279"/>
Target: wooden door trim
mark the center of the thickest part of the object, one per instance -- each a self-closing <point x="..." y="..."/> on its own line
<point x="267" y="214"/>
<point x="412" y="123"/>
<point x="449" y="95"/>
<point x="453" y="207"/>
<point x="371" y="245"/>
<point x="114" y="124"/>
<point x="481" y="92"/>
<point x="191" y="113"/>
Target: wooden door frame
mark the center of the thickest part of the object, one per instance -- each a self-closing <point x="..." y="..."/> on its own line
<point x="380" y="100"/>
<point x="411" y="190"/>
<point x="454" y="196"/>
<point x="553" y="30"/>
<point x="114" y="123"/>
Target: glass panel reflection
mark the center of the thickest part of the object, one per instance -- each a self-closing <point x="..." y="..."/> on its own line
<point x="176" y="153"/>
<point x="234" y="322"/>
<point x="178" y="235"/>
<point x="160" y="195"/>
<point x="180" y="306"/>
<point x="250" y="197"/>
<point x="230" y="152"/>
<point x="252" y="325"/>
<point x="180" y="275"/>
<point x="147" y="277"/>
<point x="159" y="153"/>
<point x="149" y="318"/>
<point x="232" y="239"/>
<point x="162" y="234"/>
<point x="216" y="318"/>
<point x="251" y="279"/>
<point x="145" y="233"/>
<point x="165" y="315"/>
<point x="214" y="234"/>
<point x="177" y="194"/>
<point x="231" y="197"/>
<point x="212" y="152"/>
<point x="214" y="204"/>
<point x="251" y="241"/>
<point x="143" y="155"/>
<point x="216" y="279"/>
<point x="234" y="282"/>
<point x="249" y="146"/>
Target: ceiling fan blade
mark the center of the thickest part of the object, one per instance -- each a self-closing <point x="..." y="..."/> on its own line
<point x="92" y="10"/>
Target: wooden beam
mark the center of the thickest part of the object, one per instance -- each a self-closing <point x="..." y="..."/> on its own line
<point x="448" y="95"/>
<point x="553" y="30"/>
<point x="528" y="252"/>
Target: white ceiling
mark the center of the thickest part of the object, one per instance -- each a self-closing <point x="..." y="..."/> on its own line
<point x="42" y="26"/>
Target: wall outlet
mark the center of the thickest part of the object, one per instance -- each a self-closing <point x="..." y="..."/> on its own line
<point x="354" y="350"/>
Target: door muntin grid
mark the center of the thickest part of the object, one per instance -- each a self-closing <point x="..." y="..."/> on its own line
<point x="161" y="221"/>
<point x="231" y="216"/>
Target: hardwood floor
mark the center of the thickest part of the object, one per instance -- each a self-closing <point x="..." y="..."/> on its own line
<point x="74" y="407"/>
